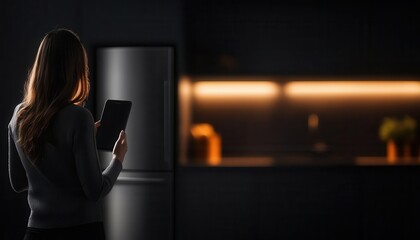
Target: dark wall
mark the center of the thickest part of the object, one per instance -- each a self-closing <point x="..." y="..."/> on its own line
<point x="23" y="24"/>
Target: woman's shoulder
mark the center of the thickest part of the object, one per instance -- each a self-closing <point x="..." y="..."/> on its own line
<point x="17" y="107"/>
<point x="13" y="120"/>
<point x="76" y="113"/>
<point x="72" y="117"/>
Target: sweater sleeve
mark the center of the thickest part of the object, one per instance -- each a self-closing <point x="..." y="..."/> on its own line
<point x="95" y="184"/>
<point x="17" y="174"/>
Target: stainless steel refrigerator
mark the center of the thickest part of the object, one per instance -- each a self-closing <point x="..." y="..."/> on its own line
<point x="140" y="206"/>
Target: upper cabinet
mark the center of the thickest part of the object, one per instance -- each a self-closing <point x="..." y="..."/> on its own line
<point x="292" y="38"/>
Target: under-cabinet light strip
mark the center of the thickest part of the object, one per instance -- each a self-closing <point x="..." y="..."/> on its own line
<point x="236" y="88"/>
<point x="352" y="88"/>
<point x="306" y="88"/>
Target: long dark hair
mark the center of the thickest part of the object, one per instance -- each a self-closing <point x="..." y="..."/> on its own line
<point x="59" y="76"/>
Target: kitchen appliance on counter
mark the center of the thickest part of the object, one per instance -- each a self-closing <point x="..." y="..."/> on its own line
<point x="140" y="206"/>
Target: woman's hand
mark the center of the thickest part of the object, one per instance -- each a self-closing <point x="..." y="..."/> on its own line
<point x="97" y="125"/>
<point x="120" y="147"/>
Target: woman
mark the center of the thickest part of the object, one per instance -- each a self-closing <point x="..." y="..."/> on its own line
<point x="52" y="147"/>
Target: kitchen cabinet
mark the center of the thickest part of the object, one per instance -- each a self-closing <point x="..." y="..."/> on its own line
<point x="390" y="204"/>
<point x="292" y="38"/>
<point x="215" y="205"/>
<point x="298" y="203"/>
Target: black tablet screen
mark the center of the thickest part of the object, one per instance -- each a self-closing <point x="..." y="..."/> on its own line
<point x="114" y="119"/>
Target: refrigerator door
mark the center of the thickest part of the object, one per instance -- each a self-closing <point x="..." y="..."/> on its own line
<point x="143" y="75"/>
<point x="140" y="207"/>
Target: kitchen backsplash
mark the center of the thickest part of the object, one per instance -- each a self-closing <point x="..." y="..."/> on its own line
<point x="273" y="116"/>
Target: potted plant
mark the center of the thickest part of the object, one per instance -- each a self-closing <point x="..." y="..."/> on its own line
<point x="398" y="133"/>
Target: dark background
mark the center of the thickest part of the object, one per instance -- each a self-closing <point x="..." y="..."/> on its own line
<point x="317" y="38"/>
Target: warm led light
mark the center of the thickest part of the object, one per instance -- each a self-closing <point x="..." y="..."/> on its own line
<point x="352" y="88"/>
<point x="236" y="89"/>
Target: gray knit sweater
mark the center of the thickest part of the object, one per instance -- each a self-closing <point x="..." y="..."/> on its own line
<point x="66" y="185"/>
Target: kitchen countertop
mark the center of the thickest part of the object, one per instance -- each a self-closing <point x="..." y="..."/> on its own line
<point x="266" y="161"/>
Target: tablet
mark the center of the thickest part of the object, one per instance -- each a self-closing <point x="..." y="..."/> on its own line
<point x="114" y="119"/>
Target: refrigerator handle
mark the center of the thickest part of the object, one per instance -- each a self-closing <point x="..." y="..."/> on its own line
<point x="167" y="140"/>
<point x="139" y="180"/>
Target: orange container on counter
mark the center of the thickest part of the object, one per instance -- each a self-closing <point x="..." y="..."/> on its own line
<point x="206" y="144"/>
